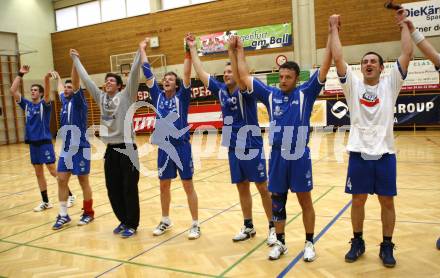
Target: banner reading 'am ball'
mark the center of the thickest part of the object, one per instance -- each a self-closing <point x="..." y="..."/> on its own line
<point x="270" y="36"/>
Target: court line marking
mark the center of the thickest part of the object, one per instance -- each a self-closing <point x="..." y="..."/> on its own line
<point x="231" y="267"/>
<point x="316" y="239"/>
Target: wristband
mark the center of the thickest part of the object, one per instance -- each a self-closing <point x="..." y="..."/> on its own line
<point x="417" y="37"/>
<point x="147" y="71"/>
<point x="20" y="74"/>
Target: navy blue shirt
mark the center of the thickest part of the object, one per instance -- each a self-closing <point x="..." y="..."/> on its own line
<point x="37" y="120"/>
<point x="289" y="112"/>
<point x="242" y="108"/>
<point x="74" y="112"/>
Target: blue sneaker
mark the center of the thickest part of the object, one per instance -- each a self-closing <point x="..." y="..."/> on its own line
<point x="119" y="229"/>
<point x="128" y="232"/>
<point x="85" y="219"/>
<point x="386" y="254"/>
<point x="356" y="250"/>
<point x="438" y="243"/>
<point x="61" y="222"/>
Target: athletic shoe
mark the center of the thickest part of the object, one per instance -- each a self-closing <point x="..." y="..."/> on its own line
<point x="71" y="201"/>
<point x="119" y="229"/>
<point x="85" y="219"/>
<point x="386" y="254"/>
<point x="438" y="243"/>
<point x="128" y="232"/>
<point x="162" y="228"/>
<point x="61" y="222"/>
<point x="244" y="234"/>
<point x="356" y="250"/>
<point x="277" y="250"/>
<point x="309" y="252"/>
<point x="42" y="206"/>
<point x="271" y="237"/>
<point x="194" y="232"/>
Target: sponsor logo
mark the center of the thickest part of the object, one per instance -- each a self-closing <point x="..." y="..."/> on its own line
<point x="295" y="102"/>
<point x="349" y="183"/>
<point x="369" y="100"/>
<point x="82" y="163"/>
<point x="339" y="109"/>
<point x="260" y="167"/>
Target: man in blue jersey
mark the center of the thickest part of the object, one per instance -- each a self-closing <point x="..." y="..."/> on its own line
<point x="290" y="166"/>
<point x="174" y="99"/>
<point x="75" y="153"/>
<point x="242" y="135"/>
<point x="37" y="131"/>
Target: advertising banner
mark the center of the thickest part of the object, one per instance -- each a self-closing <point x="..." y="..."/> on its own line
<point x="425" y="15"/>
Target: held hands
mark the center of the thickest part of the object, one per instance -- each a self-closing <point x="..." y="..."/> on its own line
<point x="334" y="22"/>
<point x="402" y="20"/>
<point x="190" y="40"/>
<point x="74" y="52"/>
<point x="52" y="74"/>
<point x="232" y="43"/>
<point x="144" y="43"/>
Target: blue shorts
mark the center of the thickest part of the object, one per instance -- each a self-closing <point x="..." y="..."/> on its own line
<point x="295" y="175"/>
<point x="42" y="154"/>
<point x="168" y="163"/>
<point x="253" y="170"/>
<point x="78" y="164"/>
<point x="371" y="174"/>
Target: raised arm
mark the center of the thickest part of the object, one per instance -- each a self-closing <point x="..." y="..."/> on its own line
<point x="88" y="82"/>
<point x="15" y="87"/>
<point x="132" y="85"/>
<point x="232" y="52"/>
<point x="60" y="85"/>
<point x="406" y="47"/>
<point x="336" y="46"/>
<point x="187" y="69"/>
<point x="46" y="96"/>
<point x="327" y="60"/>
<point x="75" y="79"/>
<point x="423" y="44"/>
<point x="201" y="73"/>
<point x="243" y="71"/>
<point x="146" y="67"/>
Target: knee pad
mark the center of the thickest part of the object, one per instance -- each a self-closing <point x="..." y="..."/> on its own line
<point x="279" y="206"/>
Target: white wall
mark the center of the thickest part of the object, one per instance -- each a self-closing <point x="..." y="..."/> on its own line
<point x="33" y="21"/>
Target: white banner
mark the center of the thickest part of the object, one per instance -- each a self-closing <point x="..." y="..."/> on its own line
<point x="421" y="75"/>
<point x="425" y="15"/>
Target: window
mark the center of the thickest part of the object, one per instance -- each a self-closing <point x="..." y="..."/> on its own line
<point x="137" y="7"/>
<point x="66" y="18"/>
<point x="112" y="9"/>
<point x="89" y="13"/>
<point x="171" y="4"/>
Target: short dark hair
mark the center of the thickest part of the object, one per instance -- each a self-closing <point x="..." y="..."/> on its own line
<point x="228" y="64"/>
<point x="68" y="81"/>
<point x="291" y="66"/>
<point x="373" y="53"/>
<point x="40" y="88"/>
<point x="178" y="81"/>
<point x="115" y="76"/>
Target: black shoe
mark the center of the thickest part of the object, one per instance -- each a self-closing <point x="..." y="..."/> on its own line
<point x="386" y="254"/>
<point x="356" y="250"/>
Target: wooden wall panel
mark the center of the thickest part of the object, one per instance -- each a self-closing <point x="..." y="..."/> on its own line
<point x="96" y="43"/>
<point x="363" y="21"/>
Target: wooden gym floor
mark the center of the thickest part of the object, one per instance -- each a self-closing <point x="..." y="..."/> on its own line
<point x="29" y="247"/>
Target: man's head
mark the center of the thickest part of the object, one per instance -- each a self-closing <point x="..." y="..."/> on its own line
<point x="371" y="67"/>
<point x="171" y="82"/>
<point x="289" y="74"/>
<point x="37" y="91"/>
<point x="113" y="83"/>
<point x="68" y="88"/>
<point x="228" y="77"/>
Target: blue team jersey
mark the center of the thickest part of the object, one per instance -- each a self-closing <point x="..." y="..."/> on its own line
<point x="37" y="120"/>
<point x="242" y="108"/>
<point x="289" y="112"/>
<point x="74" y="112"/>
<point x="179" y="104"/>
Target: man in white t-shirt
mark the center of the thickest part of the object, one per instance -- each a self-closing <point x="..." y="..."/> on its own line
<point x="372" y="162"/>
<point x="424" y="45"/>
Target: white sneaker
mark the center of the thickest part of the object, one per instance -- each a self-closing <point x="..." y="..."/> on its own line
<point x="162" y="228"/>
<point x="42" y="206"/>
<point x="309" y="252"/>
<point x="271" y="237"/>
<point x="277" y="250"/>
<point x="194" y="232"/>
<point x="244" y="234"/>
<point x="71" y="201"/>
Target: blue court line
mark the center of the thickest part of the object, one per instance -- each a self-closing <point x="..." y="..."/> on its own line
<point x="323" y="231"/>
